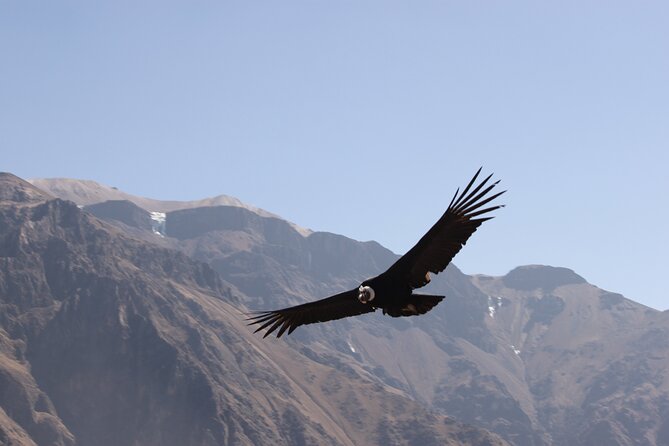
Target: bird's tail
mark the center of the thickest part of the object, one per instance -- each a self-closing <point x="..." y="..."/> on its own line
<point x="425" y="302"/>
<point x="417" y="304"/>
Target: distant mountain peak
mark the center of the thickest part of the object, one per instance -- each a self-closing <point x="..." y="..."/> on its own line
<point x="530" y="277"/>
<point x="88" y="192"/>
<point x="17" y="190"/>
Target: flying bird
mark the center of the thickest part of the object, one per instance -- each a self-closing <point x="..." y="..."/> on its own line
<point x="392" y="291"/>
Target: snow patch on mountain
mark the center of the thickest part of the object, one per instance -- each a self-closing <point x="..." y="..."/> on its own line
<point x="158" y="223"/>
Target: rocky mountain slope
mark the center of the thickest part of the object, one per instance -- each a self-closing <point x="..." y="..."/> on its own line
<point x="592" y="360"/>
<point x="538" y="356"/>
<point x="108" y="339"/>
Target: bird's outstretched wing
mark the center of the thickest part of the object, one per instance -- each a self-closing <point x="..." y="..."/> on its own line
<point x="435" y="250"/>
<point x="334" y="307"/>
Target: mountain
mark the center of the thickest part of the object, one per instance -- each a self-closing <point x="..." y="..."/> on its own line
<point x="111" y="336"/>
<point x="538" y="356"/>
<point x="592" y="360"/>
<point x="88" y="192"/>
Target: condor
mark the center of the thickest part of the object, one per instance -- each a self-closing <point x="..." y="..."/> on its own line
<point x="392" y="291"/>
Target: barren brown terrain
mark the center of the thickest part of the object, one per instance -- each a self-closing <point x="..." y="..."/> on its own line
<point x="107" y="339"/>
<point x="116" y="332"/>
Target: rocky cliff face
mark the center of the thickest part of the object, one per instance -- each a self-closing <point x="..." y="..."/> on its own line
<point x="538" y="356"/>
<point x="108" y="339"/>
<point x="122" y="211"/>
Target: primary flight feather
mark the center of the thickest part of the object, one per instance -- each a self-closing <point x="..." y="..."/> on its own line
<point x="392" y="291"/>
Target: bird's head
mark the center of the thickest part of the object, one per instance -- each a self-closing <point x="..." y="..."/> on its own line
<point x="365" y="294"/>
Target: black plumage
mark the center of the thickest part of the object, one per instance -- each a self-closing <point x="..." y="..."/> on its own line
<point x="392" y="291"/>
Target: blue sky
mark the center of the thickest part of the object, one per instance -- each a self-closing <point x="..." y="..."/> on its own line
<point x="361" y="118"/>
